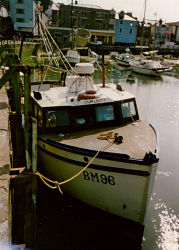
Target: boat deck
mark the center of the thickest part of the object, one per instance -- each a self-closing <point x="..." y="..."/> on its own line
<point x="139" y="138"/>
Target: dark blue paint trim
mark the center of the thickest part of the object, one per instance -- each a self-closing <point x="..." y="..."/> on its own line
<point x="96" y="167"/>
<point x="102" y="155"/>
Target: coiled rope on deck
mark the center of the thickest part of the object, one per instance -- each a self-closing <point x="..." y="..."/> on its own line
<point x="55" y="184"/>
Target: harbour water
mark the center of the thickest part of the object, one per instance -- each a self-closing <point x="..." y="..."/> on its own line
<point x="158" y="103"/>
<point x="64" y="223"/>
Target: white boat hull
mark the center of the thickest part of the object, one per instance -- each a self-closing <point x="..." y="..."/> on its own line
<point x="122" y="63"/>
<point x="118" y="187"/>
<point x="145" y="71"/>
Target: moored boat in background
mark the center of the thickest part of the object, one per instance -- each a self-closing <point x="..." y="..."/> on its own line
<point x="149" y="67"/>
<point x="124" y="59"/>
<point x="73" y="56"/>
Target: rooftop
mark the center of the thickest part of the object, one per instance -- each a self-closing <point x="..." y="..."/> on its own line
<point x="87" y="6"/>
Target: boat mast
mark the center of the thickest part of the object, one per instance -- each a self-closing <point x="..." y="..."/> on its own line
<point x="72" y="41"/>
<point x="142" y="34"/>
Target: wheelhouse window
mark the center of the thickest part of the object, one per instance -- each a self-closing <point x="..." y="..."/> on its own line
<point x="83" y="117"/>
<point x="128" y="109"/>
<point x="104" y="113"/>
<point x="58" y="118"/>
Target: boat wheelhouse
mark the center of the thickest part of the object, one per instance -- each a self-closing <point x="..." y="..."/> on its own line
<point x="84" y="124"/>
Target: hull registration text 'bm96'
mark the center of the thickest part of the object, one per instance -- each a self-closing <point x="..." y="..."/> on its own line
<point x="100" y="178"/>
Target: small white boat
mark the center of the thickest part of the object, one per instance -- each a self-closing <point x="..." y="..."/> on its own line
<point x="96" y="130"/>
<point x="149" y="67"/>
<point x="124" y="59"/>
<point x="114" y="54"/>
<point x="73" y="56"/>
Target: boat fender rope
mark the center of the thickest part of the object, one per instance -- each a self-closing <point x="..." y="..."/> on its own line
<point x="56" y="184"/>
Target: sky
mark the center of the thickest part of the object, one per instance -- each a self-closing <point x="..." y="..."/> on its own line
<point x="167" y="10"/>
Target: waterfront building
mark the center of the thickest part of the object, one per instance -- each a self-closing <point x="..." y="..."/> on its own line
<point x="53" y="14"/>
<point x="174" y="31"/>
<point x="144" y="35"/>
<point x="99" y="22"/>
<point x="163" y="34"/>
<point x="24" y="16"/>
<point x="125" y="29"/>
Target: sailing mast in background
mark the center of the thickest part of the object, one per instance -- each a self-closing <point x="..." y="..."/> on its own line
<point x="72" y="38"/>
<point x="143" y="22"/>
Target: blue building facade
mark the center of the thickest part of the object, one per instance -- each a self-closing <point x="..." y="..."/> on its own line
<point x="22" y="13"/>
<point x="125" y="30"/>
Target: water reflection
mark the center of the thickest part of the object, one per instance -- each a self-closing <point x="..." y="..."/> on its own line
<point x="166" y="226"/>
<point x="158" y="103"/>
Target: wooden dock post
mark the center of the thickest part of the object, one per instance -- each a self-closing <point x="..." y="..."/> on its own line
<point x="24" y="183"/>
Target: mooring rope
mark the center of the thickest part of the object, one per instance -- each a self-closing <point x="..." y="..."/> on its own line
<point x="115" y="139"/>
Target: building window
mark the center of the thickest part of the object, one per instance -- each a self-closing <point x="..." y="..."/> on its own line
<point x="121" y="22"/>
<point x="83" y="22"/>
<point x="99" y="20"/>
<point x="75" y="21"/>
<point x="130" y="31"/>
<point x="20" y="20"/>
<point x="83" y="14"/>
<point x="111" y="26"/>
<point x="20" y="1"/>
<point x="19" y="11"/>
<point x="131" y="24"/>
<point x="120" y="30"/>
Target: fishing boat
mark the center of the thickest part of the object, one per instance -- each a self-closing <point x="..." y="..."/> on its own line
<point x="92" y="142"/>
<point x="149" y="67"/>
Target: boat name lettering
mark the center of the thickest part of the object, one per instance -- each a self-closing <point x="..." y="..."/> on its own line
<point x="101" y="178"/>
<point x="90" y="101"/>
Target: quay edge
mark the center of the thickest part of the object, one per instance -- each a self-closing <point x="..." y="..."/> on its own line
<point x="5" y="215"/>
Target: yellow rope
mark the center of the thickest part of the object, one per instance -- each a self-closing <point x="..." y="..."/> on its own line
<point x="57" y="184"/>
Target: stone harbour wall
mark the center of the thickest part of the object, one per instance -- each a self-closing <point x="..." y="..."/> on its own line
<point x="5" y="218"/>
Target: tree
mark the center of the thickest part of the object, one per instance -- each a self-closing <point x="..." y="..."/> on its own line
<point x="6" y="27"/>
<point x="46" y="4"/>
<point x="5" y="3"/>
